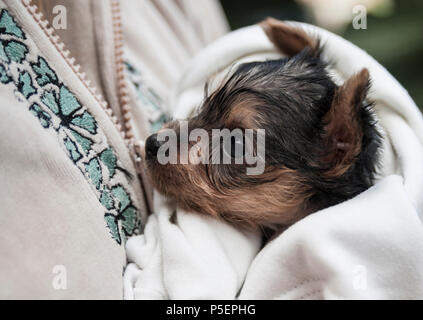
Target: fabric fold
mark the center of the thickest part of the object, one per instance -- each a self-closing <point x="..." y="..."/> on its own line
<point x="369" y="247"/>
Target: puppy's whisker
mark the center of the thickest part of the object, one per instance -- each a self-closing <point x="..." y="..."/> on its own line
<point x="320" y="139"/>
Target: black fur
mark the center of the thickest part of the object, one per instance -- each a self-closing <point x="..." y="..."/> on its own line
<point x="294" y="94"/>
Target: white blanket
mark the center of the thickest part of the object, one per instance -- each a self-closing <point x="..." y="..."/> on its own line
<point x="369" y="247"/>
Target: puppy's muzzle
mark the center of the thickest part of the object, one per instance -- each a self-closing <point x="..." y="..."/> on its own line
<point x="152" y="146"/>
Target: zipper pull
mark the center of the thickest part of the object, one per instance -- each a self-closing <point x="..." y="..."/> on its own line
<point x="137" y="148"/>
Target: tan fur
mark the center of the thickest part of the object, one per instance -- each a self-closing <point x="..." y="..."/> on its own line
<point x="280" y="200"/>
<point x="342" y="126"/>
<point x="287" y="39"/>
<point x="243" y="113"/>
<point x="274" y="203"/>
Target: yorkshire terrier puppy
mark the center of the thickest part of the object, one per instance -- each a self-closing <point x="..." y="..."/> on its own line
<point x="321" y="141"/>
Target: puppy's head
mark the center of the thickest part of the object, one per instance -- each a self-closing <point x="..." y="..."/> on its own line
<point x="319" y="147"/>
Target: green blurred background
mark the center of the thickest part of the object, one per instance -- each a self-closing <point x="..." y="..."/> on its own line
<point x="394" y="34"/>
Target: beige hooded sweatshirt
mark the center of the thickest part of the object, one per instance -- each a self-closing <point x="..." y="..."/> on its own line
<point x="73" y="104"/>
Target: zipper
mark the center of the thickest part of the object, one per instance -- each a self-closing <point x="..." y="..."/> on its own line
<point x="135" y="148"/>
<point x="122" y="88"/>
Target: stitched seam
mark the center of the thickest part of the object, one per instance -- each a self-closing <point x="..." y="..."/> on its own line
<point x="300" y="284"/>
<point x="59" y="111"/>
<point x="310" y="294"/>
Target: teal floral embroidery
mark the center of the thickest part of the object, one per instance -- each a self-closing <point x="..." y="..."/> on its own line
<point x="85" y="121"/>
<point x="106" y="199"/>
<point x="67" y="101"/>
<point x="44" y="117"/>
<point x="128" y="220"/>
<point x="68" y="109"/>
<point x="3" y="55"/>
<point x="126" y="211"/>
<point x="44" y="73"/>
<point x="25" y="85"/>
<point x="13" y="51"/>
<point x="109" y="159"/>
<point x="72" y="149"/>
<point x="147" y="99"/>
<point x="9" y="26"/>
<point x="120" y="194"/>
<point x="94" y="172"/>
<point x="113" y="225"/>
<point x="84" y="142"/>
<point x="4" y="77"/>
<point x="49" y="99"/>
<point x="57" y="109"/>
<point x="73" y="117"/>
<point x="63" y="104"/>
<point x="126" y="215"/>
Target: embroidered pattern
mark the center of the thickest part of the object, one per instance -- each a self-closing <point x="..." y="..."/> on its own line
<point x="59" y="111"/>
<point x="147" y="99"/>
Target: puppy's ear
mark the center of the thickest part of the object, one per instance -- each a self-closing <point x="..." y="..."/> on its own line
<point x="343" y="130"/>
<point x="289" y="40"/>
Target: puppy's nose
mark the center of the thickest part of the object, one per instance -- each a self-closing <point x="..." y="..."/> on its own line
<point x="152" y="145"/>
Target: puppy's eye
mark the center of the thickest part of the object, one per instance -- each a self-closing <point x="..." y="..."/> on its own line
<point x="235" y="147"/>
